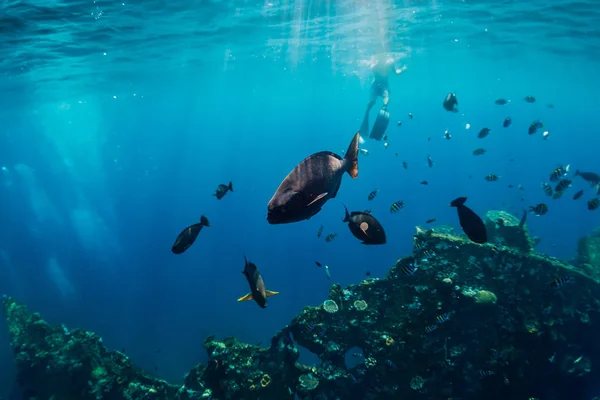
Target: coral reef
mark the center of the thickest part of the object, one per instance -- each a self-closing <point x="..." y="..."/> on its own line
<point x="589" y="254"/>
<point x="503" y="228"/>
<point x="473" y="321"/>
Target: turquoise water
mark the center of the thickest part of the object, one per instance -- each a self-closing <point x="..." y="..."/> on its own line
<point x="119" y="120"/>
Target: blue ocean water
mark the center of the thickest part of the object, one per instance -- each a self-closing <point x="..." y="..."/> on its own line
<point x="119" y="120"/>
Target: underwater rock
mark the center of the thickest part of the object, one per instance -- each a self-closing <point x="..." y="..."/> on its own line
<point x="588" y="254"/>
<point x="503" y="228"/>
<point x="470" y="319"/>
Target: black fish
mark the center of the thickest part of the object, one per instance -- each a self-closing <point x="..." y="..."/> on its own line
<point x="450" y="103"/>
<point x="483" y="133"/>
<point x="429" y="221"/>
<point x="593" y="204"/>
<point x="507" y="122"/>
<point x="578" y="195"/>
<point x="530" y="99"/>
<point x="591" y="177"/>
<point x="491" y="178"/>
<point x="501" y="102"/>
<point x="187" y="236"/>
<point x="222" y="190"/>
<point x="424" y="183"/>
<point x="539" y="209"/>
<point x="318" y="264"/>
<point x="563" y="185"/>
<point x="559" y="173"/>
<point x="310" y="184"/>
<point x="429" y="161"/>
<point x="405" y="164"/>
<point x="397" y="206"/>
<point x="320" y="231"/>
<point x="478" y="152"/>
<point x="470" y="222"/>
<point x="258" y="291"/>
<point x="547" y="189"/>
<point x="534" y="127"/>
<point x="365" y="227"/>
<point x="373" y="194"/>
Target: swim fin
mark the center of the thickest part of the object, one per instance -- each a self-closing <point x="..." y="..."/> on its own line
<point x="381" y="124"/>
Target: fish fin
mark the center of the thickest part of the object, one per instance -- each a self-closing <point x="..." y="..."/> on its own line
<point x="204" y="221"/>
<point x="319" y="197"/>
<point x="458" y="202"/>
<point x="347" y="216"/>
<point x="270" y="293"/>
<point x="230" y="186"/>
<point x="351" y="157"/>
<point x="246" y="297"/>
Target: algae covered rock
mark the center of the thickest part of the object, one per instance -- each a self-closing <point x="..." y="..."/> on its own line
<point x="503" y="228"/>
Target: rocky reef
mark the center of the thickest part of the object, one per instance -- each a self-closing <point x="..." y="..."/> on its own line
<point x="453" y="320"/>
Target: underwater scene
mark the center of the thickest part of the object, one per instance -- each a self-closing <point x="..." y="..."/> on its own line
<point x="288" y="199"/>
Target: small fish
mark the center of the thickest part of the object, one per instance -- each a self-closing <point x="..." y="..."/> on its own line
<point x="311" y="183"/>
<point x="479" y="152"/>
<point x="559" y="173"/>
<point x="258" y="291"/>
<point x="484" y="373"/>
<point x="417" y="245"/>
<point x="577" y="195"/>
<point x="187" y="237"/>
<point x="429" y="221"/>
<point x="545" y="135"/>
<point x="373" y="194"/>
<point x="424" y="183"/>
<point x="364" y="152"/>
<point x="429" y="161"/>
<point x="450" y="103"/>
<point x="399" y="123"/>
<point x="563" y="185"/>
<point x="365" y="227"/>
<point x="501" y="101"/>
<point x="593" y="204"/>
<point x="590" y="177"/>
<point x="552" y="358"/>
<point x="428" y="253"/>
<point x="320" y="231"/>
<point x="491" y="178"/>
<point x="560" y="282"/>
<point x="222" y="190"/>
<point x="318" y="264"/>
<point x="447" y="135"/>
<point x="330" y="237"/>
<point x="327" y="273"/>
<point x="405" y="164"/>
<point x="409" y="269"/>
<point x="530" y="99"/>
<point x="533" y="128"/>
<point x="547" y="189"/>
<point x="557" y="195"/>
<point x="507" y="122"/>
<point x="397" y="206"/>
<point x="578" y="360"/>
<point x="483" y="133"/>
<point x="430" y="328"/>
<point x="470" y="222"/>
<point x="410" y="115"/>
<point x="539" y="209"/>
<point x="440" y="319"/>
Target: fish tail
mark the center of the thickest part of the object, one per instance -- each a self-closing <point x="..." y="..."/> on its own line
<point x="347" y="216"/>
<point x="204" y="221"/>
<point x="458" y="202"/>
<point x="351" y="157"/>
<point x="230" y="186"/>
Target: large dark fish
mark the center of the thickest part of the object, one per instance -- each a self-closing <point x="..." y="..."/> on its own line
<point x="310" y="184"/>
<point x="222" y="190"/>
<point x="470" y="222"/>
<point x="365" y="227"/>
<point x="591" y="177"/>
<point x="187" y="236"/>
<point x="258" y="291"/>
<point x="450" y="103"/>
